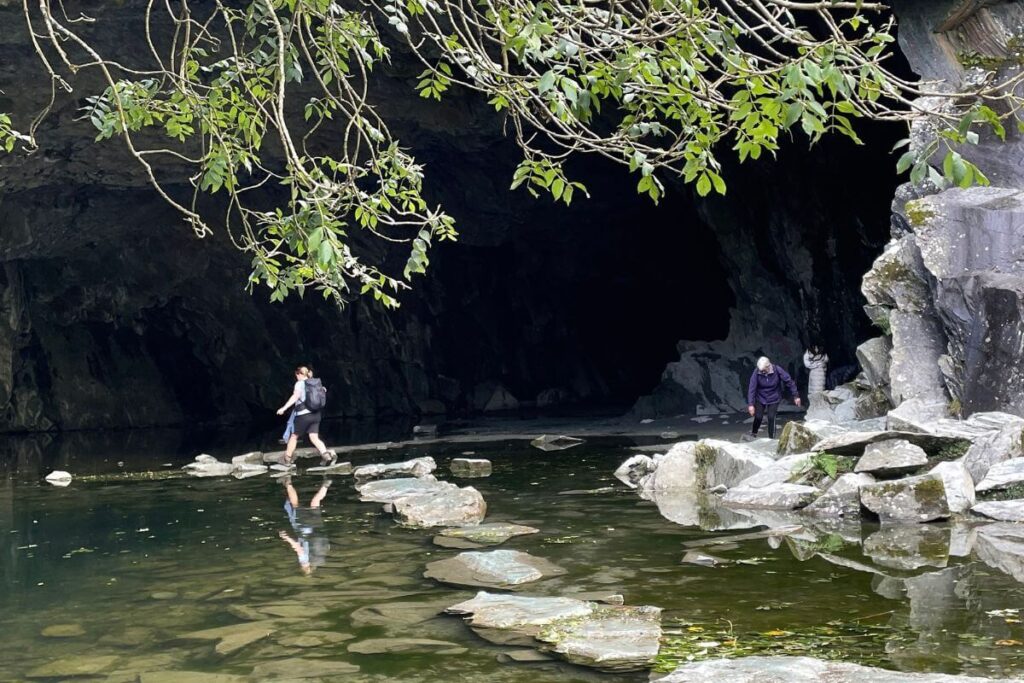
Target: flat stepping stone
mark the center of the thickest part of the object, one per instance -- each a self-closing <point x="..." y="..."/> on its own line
<point x="74" y="667"/>
<point x="417" y="467"/>
<point x="63" y="631"/>
<point x="390" y="490"/>
<point x="492" y="569"/>
<point x="379" y="646"/>
<point x="339" y="468"/>
<point x="605" y="637"/>
<point x="299" y="668"/>
<point x="493" y="533"/>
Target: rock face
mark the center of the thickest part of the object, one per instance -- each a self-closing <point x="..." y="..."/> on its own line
<point x="781" y="669"/>
<point x="949" y="288"/>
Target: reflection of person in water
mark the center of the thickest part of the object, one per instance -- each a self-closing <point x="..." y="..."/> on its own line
<point x="310" y="543"/>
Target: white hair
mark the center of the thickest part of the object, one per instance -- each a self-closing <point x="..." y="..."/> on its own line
<point x="763" y="363"/>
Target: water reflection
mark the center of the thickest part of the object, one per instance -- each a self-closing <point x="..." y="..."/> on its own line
<point x="310" y="543"/>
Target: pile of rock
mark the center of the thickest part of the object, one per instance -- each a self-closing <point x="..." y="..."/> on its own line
<point x="939" y="469"/>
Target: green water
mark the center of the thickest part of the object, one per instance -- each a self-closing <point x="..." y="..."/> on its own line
<point x="133" y="566"/>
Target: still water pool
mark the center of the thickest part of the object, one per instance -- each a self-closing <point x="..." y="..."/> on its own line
<point x="115" y="577"/>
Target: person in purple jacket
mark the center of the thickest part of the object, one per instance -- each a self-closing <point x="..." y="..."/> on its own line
<point x="765" y="393"/>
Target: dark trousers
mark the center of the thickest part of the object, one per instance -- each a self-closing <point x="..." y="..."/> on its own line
<point x="760" y="411"/>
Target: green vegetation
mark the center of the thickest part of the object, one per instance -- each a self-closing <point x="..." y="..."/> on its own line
<point x="266" y="102"/>
<point x="918" y="212"/>
<point x="824" y="466"/>
<point x="951" y="450"/>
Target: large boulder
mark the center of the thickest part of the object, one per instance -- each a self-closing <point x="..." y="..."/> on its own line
<point x="873" y="356"/>
<point x="635" y="469"/>
<point x="958" y="484"/>
<point x="452" y="506"/>
<point x="801" y="437"/>
<point x="703" y="465"/>
<point x="913" y="499"/>
<point x="782" y="470"/>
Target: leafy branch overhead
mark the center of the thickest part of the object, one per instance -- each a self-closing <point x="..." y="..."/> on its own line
<point x="266" y="103"/>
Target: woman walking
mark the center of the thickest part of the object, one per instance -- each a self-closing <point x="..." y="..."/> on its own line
<point x="765" y="393"/>
<point x="307" y="416"/>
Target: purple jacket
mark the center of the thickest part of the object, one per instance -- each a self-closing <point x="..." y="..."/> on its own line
<point x="767" y="388"/>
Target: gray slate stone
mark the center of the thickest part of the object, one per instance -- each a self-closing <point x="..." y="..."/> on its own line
<point x="842" y="499"/>
<point x="452" y="506"/>
<point x="1003" y="474"/>
<point x="494" y="533"/>
<point x="492" y="569"/>
<point x="874" y="361"/>
<point x="782" y="669"/>
<point x="1001" y="510"/>
<point x="958" y="484"/>
<point x="1003" y="441"/>
<point x="893" y="456"/>
<point x="417" y="467"/>
<point x="912" y="499"/>
<point x="470" y="467"/>
<point x="634" y="470"/>
<point x="1001" y="546"/>
<point x="703" y="465"/>
<point x="773" y="496"/>
<point x="390" y="490"/>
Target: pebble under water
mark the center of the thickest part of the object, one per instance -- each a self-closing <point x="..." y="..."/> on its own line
<point x="119" y="579"/>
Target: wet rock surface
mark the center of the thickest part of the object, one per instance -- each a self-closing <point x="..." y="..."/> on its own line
<point x="913" y="499"/>
<point x="612" y="638"/>
<point x="418" y="467"/>
<point x="492" y="569"/>
<point x="493" y="533"/>
<point x="470" y="467"/>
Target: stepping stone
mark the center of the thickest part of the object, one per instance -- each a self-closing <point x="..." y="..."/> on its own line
<point x="493" y="533"/>
<point x="492" y="569"/>
<point x="379" y="646"/>
<point x="74" y="667"/>
<point x="470" y="467"/>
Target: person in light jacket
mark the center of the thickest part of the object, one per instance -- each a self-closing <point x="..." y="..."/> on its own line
<point x="764" y="394"/>
<point x="816" y="362"/>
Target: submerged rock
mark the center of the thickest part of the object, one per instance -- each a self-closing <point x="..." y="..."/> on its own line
<point x="380" y="646"/>
<point x="74" y="667"/>
<point x="555" y="443"/>
<point x="702" y="559"/>
<point x="230" y="639"/>
<point x="470" y="467"/>
<point x="891" y="457"/>
<point x="494" y="533"/>
<point x="301" y="668"/>
<point x="417" y="467"/>
<point x="63" y="631"/>
<point x="607" y="637"/>
<point x="785" y="669"/>
<point x="773" y="496"/>
<point x="491" y="569"/>
<point x="913" y="499"/>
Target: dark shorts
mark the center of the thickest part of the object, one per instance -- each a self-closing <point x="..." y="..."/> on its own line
<point x="307" y="424"/>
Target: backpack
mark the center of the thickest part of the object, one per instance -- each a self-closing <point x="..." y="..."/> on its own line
<point x="316" y="395"/>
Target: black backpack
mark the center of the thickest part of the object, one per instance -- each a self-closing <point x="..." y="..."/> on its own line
<point x="316" y="395"/>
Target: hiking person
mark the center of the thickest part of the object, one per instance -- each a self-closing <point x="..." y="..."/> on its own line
<point x="310" y="544"/>
<point x="816" y="362"/>
<point x="289" y="428"/>
<point x="765" y="393"/>
<point x="309" y="397"/>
